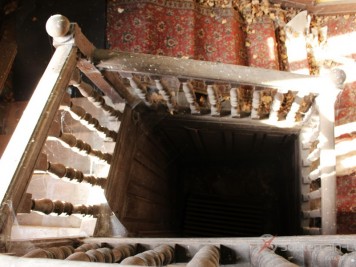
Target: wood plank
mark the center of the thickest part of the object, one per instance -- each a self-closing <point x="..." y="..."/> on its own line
<point x="143" y="175"/>
<point x="139" y="188"/>
<point x="145" y="211"/>
<point x="97" y="78"/>
<point x="205" y="70"/>
<point x="146" y="192"/>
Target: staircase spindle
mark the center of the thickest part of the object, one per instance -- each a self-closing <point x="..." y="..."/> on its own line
<point x="295" y="107"/>
<point x="315" y="174"/>
<point x="314" y="154"/>
<point x="214" y="99"/>
<point x="140" y="89"/>
<point x="191" y="98"/>
<point x="77" y="145"/>
<point x="328" y="256"/>
<point x="312" y="195"/>
<point x="348" y="259"/>
<point x="265" y="257"/>
<point x="88" y="91"/>
<point x="276" y="105"/>
<point x="86" y="119"/>
<point x="159" y="256"/>
<point x="38" y="253"/>
<point x="78" y="113"/>
<point x="207" y="256"/>
<point x="87" y="246"/>
<point x="234" y="102"/>
<point x="122" y="251"/>
<point x="61" y="171"/>
<point x="48" y="206"/>
<point x="167" y="95"/>
<point x="59" y="253"/>
<point x="311" y="213"/>
<point x="80" y="256"/>
<point x="255" y="104"/>
<point x="72" y="174"/>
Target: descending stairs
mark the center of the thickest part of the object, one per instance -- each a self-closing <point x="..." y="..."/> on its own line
<point x="73" y="166"/>
<point x="61" y="186"/>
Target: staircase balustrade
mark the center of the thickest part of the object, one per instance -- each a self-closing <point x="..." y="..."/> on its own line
<point x="119" y="70"/>
<point x="88" y="91"/>
<point x="48" y="206"/>
<point x="75" y="144"/>
<point x="87" y="120"/>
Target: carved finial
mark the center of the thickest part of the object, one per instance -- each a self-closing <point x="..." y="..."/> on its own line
<point x="338" y="76"/>
<point x="57" y="26"/>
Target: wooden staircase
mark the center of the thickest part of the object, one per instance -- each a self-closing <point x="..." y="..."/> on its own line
<point x="65" y="151"/>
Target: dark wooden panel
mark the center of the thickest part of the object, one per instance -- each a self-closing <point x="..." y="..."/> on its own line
<point x="179" y="138"/>
<point x="144" y="176"/>
<point x="148" y="193"/>
<point x="138" y="208"/>
<point x="140" y="188"/>
<point x="118" y="177"/>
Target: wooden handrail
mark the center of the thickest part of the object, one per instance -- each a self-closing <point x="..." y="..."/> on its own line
<point x="125" y="62"/>
<point x="18" y="160"/>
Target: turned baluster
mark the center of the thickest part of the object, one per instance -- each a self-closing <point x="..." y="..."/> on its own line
<point x="60" y="253"/>
<point x="166" y="253"/>
<point x="255" y="104"/>
<point x="191" y="98"/>
<point x="295" y="107"/>
<point x="327" y="256"/>
<point x="92" y="252"/>
<point x="78" y="113"/>
<point x="167" y="94"/>
<point x="38" y="253"/>
<point x="48" y="206"/>
<point x="234" y="101"/>
<point x="76" y="145"/>
<point x="72" y="174"/>
<point x="122" y="251"/>
<point x="347" y="260"/>
<point x="87" y="91"/>
<point x="276" y="105"/>
<point x="139" y="89"/>
<point x="86" y="246"/>
<point x="159" y="256"/>
<point x="207" y="256"/>
<point x="79" y="256"/>
<point x="265" y="257"/>
<point x="214" y="99"/>
<point x="83" y="147"/>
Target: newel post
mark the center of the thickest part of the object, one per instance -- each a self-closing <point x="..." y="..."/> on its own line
<point x="326" y="104"/>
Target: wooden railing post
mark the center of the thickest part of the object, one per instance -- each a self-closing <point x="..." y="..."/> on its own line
<point x="326" y="103"/>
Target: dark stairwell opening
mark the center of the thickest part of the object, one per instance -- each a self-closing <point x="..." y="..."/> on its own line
<point x="198" y="177"/>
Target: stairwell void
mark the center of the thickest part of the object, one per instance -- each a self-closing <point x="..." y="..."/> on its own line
<point x="197" y="177"/>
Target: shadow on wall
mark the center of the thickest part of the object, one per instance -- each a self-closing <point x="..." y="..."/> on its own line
<point x="35" y="46"/>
